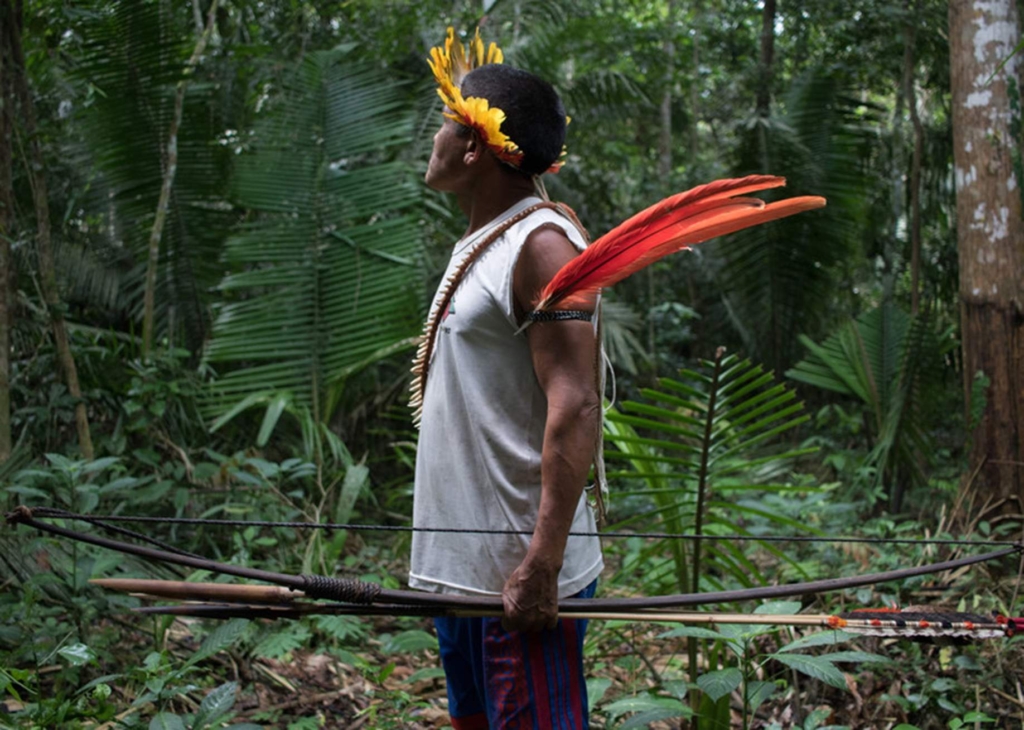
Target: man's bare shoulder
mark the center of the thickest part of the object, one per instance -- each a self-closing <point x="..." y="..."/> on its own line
<point x="546" y="250"/>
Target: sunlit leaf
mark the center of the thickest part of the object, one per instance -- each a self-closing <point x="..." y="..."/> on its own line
<point x="816" y="667"/>
<point x="77" y="655"/>
<point x="719" y="683"/>
<point x="223" y="636"/>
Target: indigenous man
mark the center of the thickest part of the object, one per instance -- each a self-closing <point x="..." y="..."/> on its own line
<point x="509" y="419"/>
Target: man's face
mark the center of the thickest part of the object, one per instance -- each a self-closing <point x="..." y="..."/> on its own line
<point x="447" y="165"/>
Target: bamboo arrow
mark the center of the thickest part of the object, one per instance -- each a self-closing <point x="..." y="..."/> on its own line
<point x="184" y="591"/>
<point x="277" y="603"/>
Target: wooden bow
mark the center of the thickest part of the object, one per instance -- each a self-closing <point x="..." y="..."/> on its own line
<point x="359" y="594"/>
<point x="274" y="602"/>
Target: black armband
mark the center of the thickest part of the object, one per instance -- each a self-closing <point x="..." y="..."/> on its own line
<point x="559" y="315"/>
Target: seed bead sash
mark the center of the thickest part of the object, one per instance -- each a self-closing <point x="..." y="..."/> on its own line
<point x="421" y="365"/>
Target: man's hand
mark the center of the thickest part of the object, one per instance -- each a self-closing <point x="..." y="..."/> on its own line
<point x="530" y="597"/>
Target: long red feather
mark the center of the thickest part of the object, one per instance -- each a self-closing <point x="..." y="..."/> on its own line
<point x="677" y="222"/>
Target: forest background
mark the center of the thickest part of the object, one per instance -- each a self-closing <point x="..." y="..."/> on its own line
<point x="215" y="256"/>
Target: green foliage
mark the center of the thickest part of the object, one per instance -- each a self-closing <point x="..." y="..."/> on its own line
<point x="323" y="277"/>
<point x="132" y="404"/>
<point x="700" y="451"/>
<point x="648" y="709"/>
<point x="125" y="123"/>
<point x="891" y="363"/>
<point x="779" y="280"/>
<point x="155" y="683"/>
<point x="620" y="325"/>
<point x="71" y="484"/>
<point x="280" y="642"/>
<point x="295" y="224"/>
<point x="739" y="650"/>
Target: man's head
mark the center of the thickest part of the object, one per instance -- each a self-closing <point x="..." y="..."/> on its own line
<point x="534" y="121"/>
<point x="534" y="115"/>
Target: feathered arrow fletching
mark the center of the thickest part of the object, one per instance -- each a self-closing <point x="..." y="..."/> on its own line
<point x="674" y="224"/>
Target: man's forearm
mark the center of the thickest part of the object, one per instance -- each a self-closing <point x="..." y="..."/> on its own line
<point x="569" y="438"/>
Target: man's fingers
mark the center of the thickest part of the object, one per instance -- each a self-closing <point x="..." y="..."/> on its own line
<point x="517" y="619"/>
<point x="536" y="612"/>
<point x="510" y="610"/>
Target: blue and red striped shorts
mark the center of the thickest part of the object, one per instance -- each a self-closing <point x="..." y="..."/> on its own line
<point x="513" y="680"/>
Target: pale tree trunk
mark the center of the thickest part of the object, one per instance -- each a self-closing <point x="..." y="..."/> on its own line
<point x="6" y="224"/>
<point x="36" y="169"/>
<point x="696" y="15"/>
<point x="990" y="234"/>
<point x="669" y="49"/>
<point x="170" y="169"/>
<point x="767" y="71"/>
<point x="664" y="158"/>
<point x="909" y="92"/>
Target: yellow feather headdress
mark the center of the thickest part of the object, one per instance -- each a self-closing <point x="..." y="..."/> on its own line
<point x="450" y="63"/>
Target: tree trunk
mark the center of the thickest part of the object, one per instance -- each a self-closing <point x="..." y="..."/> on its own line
<point x="665" y="142"/>
<point x="6" y="224"/>
<point x="910" y="94"/>
<point x="764" y="87"/>
<point x="664" y="161"/>
<point x="35" y="167"/>
<point x="990" y="235"/>
<point x="696" y="15"/>
<point x="163" y="204"/>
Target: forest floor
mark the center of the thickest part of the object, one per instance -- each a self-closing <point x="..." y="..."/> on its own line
<point x="312" y="688"/>
<point x="387" y="675"/>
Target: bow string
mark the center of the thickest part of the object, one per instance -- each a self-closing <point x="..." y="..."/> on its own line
<point x="365" y="598"/>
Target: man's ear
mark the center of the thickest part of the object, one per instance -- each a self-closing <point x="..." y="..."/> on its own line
<point x="474" y="149"/>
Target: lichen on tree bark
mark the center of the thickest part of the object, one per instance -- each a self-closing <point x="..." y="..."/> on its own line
<point x="990" y="233"/>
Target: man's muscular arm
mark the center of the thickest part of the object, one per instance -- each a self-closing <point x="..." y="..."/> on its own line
<point x="563" y="360"/>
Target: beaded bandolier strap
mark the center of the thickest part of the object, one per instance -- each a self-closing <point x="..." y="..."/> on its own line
<point x="421" y="364"/>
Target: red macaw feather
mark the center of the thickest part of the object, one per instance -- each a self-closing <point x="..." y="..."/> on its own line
<point x="677" y="222"/>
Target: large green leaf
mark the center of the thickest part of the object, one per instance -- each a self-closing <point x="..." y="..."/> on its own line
<point x="719" y="683"/>
<point x="133" y="56"/>
<point x="780" y="279"/>
<point x="219" y="639"/>
<point x="816" y="667"/>
<point x="688" y="439"/>
<point x="891" y="362"/>
<point x="324" y="278"/>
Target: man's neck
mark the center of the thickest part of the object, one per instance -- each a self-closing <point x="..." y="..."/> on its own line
<point x="493" y="197"/>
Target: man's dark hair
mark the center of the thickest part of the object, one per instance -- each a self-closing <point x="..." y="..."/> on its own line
<point x="534" y="115"/>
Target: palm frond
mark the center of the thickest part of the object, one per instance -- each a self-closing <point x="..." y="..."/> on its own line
<point x="891" y="362"/>
<point x="780" y="280"/>
<point x="621" y="325"/>
<point x="323" y="281"/>
<point x="132" y="58"/>
<point x="696" y="442"/>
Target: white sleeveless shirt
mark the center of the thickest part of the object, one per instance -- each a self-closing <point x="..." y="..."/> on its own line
<point x="478" y="464"/>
